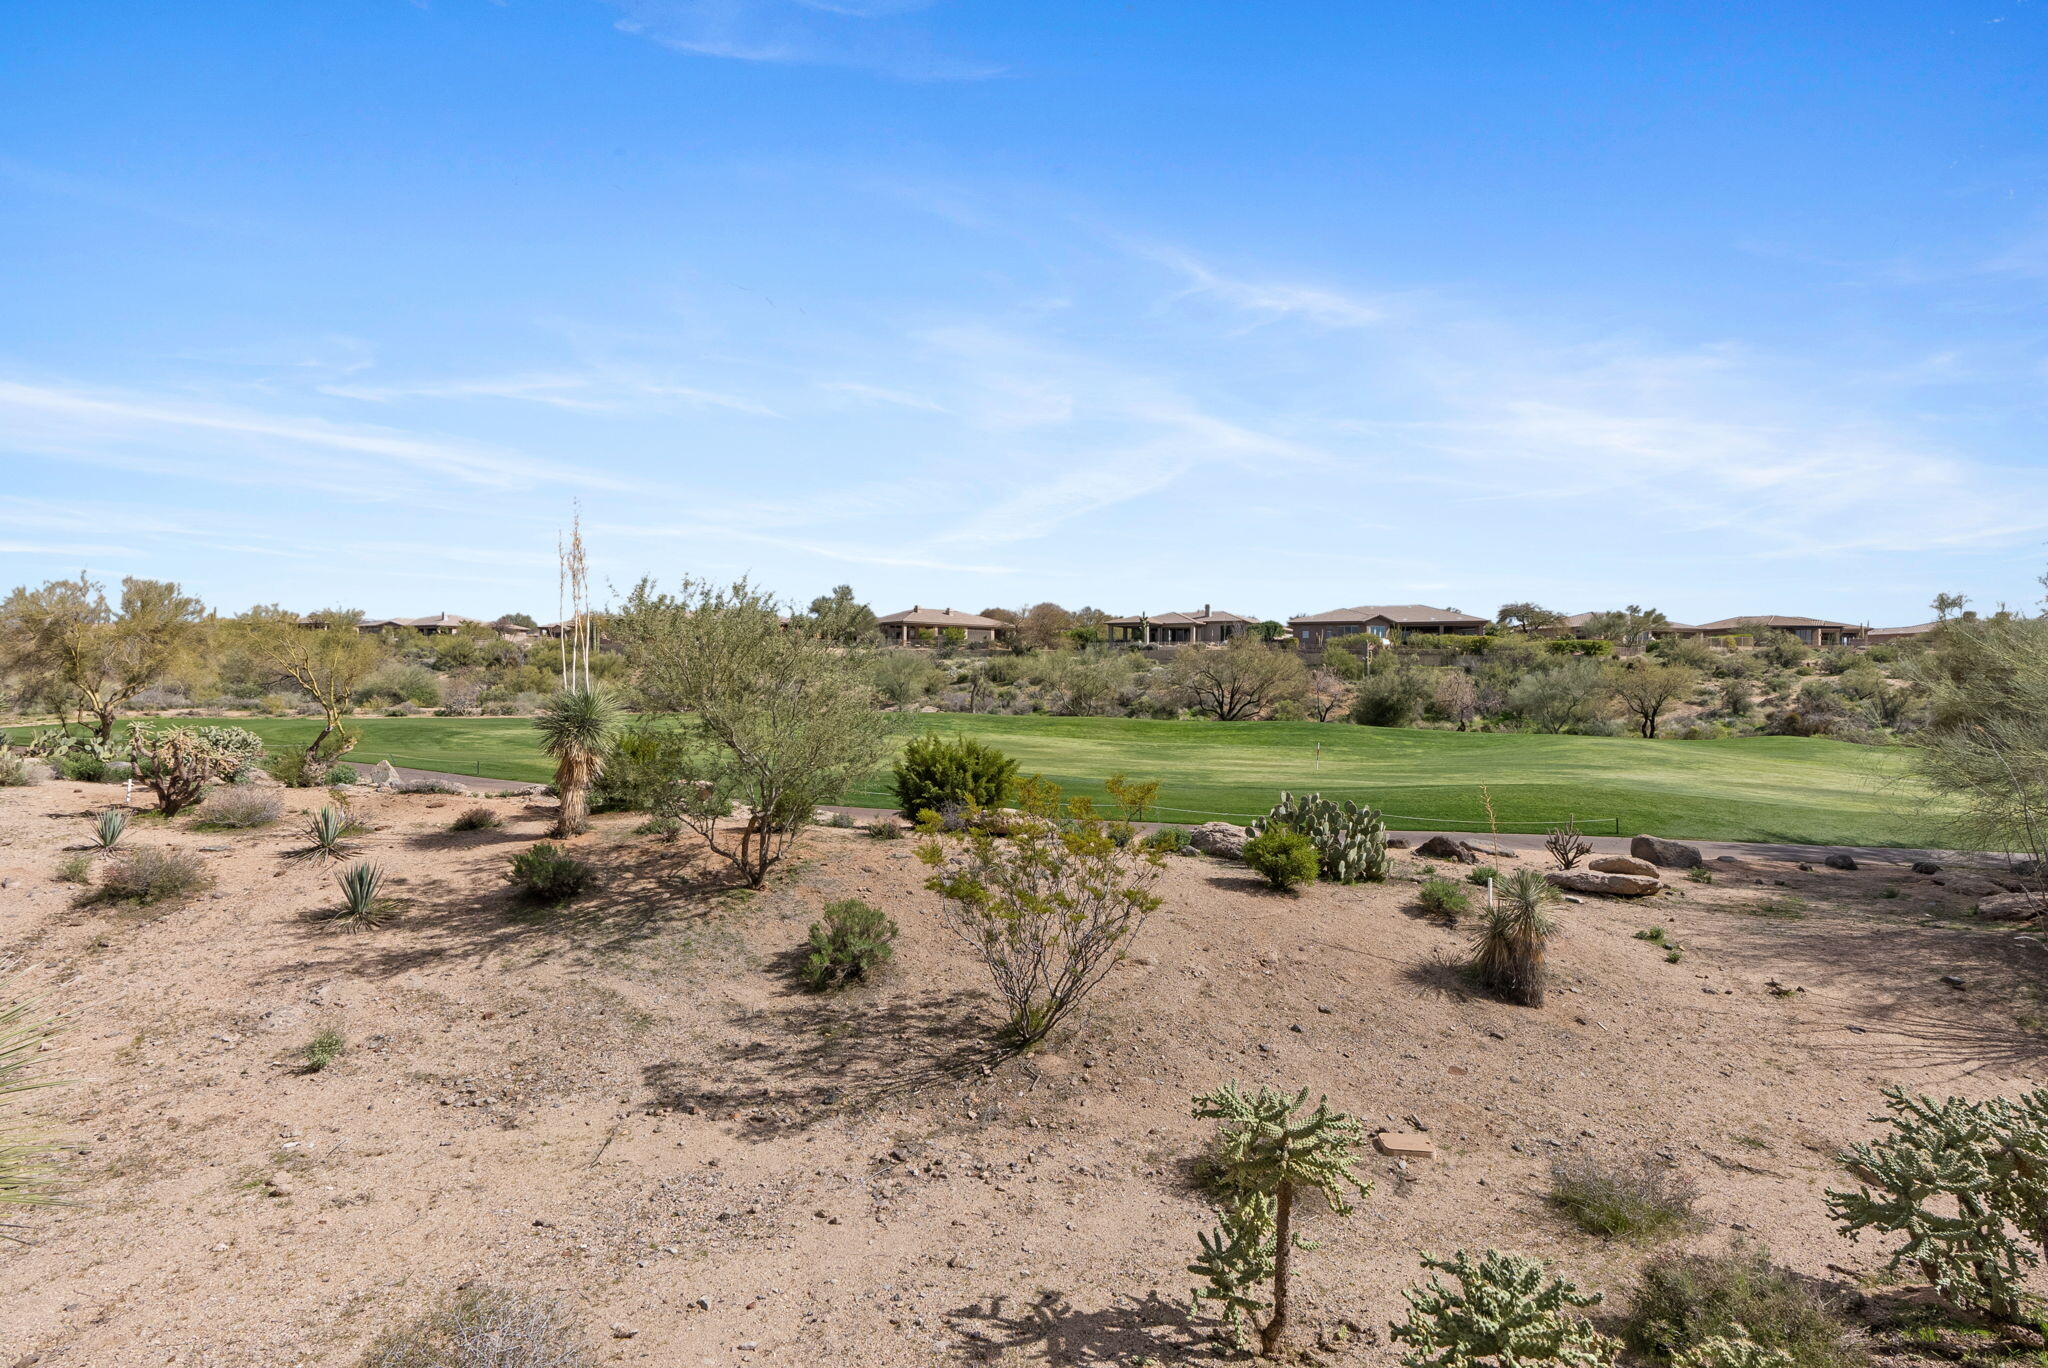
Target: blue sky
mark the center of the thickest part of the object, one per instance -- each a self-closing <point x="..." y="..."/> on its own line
<point x="1725" y="308"/>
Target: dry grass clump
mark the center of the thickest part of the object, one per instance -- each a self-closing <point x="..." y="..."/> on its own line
<point x="16" y="772"/>
<point x="239" y="809"/>
<point x="485" y="1327"/>
<point x="153" y="875"/>
<point x="1683" y="1300"/>
<point x="75" y="869"/>
<point x="1634" y="1199"/>
<point x="478" y="818"/>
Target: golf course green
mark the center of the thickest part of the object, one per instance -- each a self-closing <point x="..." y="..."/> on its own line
<point x="1789" y="789"/>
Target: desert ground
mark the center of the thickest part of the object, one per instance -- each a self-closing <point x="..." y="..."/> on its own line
<point x="631" y="1103"/>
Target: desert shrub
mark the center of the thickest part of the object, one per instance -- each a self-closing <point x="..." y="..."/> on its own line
<point x="109" y="827"/>
<point x="1132" y="797"/>
<point x="478" y="818"/>
<point x="1579" y="646"/>
<point x="1683" y="1301"/>
<point x="1632" y="1199"/>
<point x="1283" y="857"/>
<point x="1961" y="1185"/>
<point x="1567" y="846"/>
<point x="363" y="904"/>
<point x="485" y="1327"/>
<point x="546" y="873"/>
<point x="1479" y="876"/>
<point x="1173" y="840"/>
<point x="1701" y="874"/>
<point x="239" y="809"/>
<point x="75" y="869"/>
<point x="82" y="767"/>
<point x="839" y="821"/>
<point x="153" y="875"/>
<point x="1504" y="1313"/>
<point x="1394" y="697"/>
<point x="1652" y="934"/>
<point x="852" y="940"/>
<point x="1507" y="951"/>
<point x="1350" y="841"/>
<point x="1267" y="1156"/>
<point x="178" y="763"/>
<point x="938" y="772"/>
<point x="1444" y="898"/>
<point x="323" y="1049"/>
<point x="1049" y="910"/>
<point x="643" y="765"/>
<point x="883" y="829"/>
<point x="15" y="770"/>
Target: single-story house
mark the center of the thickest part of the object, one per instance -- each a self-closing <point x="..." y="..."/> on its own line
<point x="923" y="625"/>
<point x="1810" y="631"/>
<point x="1880" y="635"/>
<point x="1663" y="631"/>
<point x="1382" y="620"/>
<point x="1207" y="628"/>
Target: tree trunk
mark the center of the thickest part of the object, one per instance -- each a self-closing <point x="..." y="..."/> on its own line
<point x="104" y="727"/>
<point x="1283" y="1231"/>
<point x="574" y="815"/>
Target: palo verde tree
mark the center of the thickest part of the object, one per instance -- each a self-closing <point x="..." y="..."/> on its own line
<point x="840" y="617"/>
<point x="68" y="645"/>
<point x="783" y="719"/>
<point x="328" y="656"/>
<point x="1269" y="1152"/>
<point x="1236" y="681"/>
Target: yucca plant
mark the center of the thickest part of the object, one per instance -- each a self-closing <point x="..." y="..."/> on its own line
<point x="328" y="831"/>
<point x="363" y="903"/>
<point x="1507" y="952"/>
<point x="111" y="826"/>
<point x="25" y="1175"/>
<point x="577" y="727"/>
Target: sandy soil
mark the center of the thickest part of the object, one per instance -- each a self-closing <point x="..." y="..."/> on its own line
<point x="629" y="1103"/>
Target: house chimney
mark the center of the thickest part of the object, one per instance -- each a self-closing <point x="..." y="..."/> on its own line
<point x="1205" y="610"/>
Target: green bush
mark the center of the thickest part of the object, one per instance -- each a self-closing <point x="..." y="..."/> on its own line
<point x="1174" y="840"/>
<point x="1350" y="841"/>
<point x="1681" y="1301"/>
<point x="74" y="869"/>
<point x="1575" y="646"/>
<point x="640" y="769"/>
<point x="1632" y="1200"/>
<point x="1283" y="856"/>
<point x="83" y="767"/>
<point x="1479" y="876"/>
<point x="884" y="829"/>
<point x="937" y="773"/>
<point x="1444" y="898"/>
<point x="548" y="874"/>
<point x="478" y="818"/>
<point x="324" y="1048"/>
<point x="852" y="940"/>
<point x="239" y="809"/>
<point x="153" y="875"/>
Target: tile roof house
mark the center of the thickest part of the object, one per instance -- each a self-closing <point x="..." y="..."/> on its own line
<point x="1382" y="620"/>
<point x="1879" y="635"/>
<point x="1811" y="631"/>
<point x="1207" y="627"/>
<point x="922" y="624"/>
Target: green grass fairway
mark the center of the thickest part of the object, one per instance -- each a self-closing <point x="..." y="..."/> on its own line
<point x="1754" y="789"/>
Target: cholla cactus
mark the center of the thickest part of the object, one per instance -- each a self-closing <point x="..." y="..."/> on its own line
<point x="1503" y="1314"/>
<point x="1350" y="841"/>
<point x="1731" y="1351"/>
<point x="1955" y="1178"/>
<point x="1270" y="1154"/>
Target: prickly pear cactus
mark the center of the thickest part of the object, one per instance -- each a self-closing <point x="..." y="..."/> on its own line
<point x="1350" y="841"/>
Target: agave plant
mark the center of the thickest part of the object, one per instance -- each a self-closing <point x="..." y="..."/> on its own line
<point x="363" y="903"/>
<point x="25" y="1174"/>
<point x="110" y="828"/>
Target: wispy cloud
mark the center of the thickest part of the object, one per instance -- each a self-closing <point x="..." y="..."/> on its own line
<point x="875" y="35"/>
<point x="878" y="395"/>
<point x="245" y="445"/>
<point x="582" y="393"/>
<point x="1266" y="300"/>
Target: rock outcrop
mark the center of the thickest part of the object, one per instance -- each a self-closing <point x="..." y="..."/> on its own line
<point x="1218" y="838"/>
<point x="1614" y="885"/>
<point x="1666" y="854"/>
<point x="1623" y="864"/>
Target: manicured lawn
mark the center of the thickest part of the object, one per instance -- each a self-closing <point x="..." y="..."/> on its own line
<point x="1753" y="789"/>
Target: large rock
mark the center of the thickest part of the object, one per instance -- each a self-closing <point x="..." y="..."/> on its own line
<point x="1615" y="885"/>
<point x="1218" y="838"/>
<point x="2010" y="907"/>
<point x="1623" y="864"/>
<point x="1445" y="848"/>
<point x="1840" y="861"/>
<point x="382" y="775"/>
<point x="1491" y="852"/>
<point x="1666" y="854"/>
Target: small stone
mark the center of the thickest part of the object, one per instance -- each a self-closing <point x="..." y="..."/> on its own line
<point x="702" y="1303"/>
<point x="625" y="1331"/>
<point x="1396" y="1145"/>
<point x="1954" y="981"/>
<point x="1840" y="861"/>
<point x="1926" y="867"/>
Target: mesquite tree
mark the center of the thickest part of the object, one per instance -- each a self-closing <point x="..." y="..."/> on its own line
<point x="1502" y="1314"/>
<point x="1270" y="1153"/>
